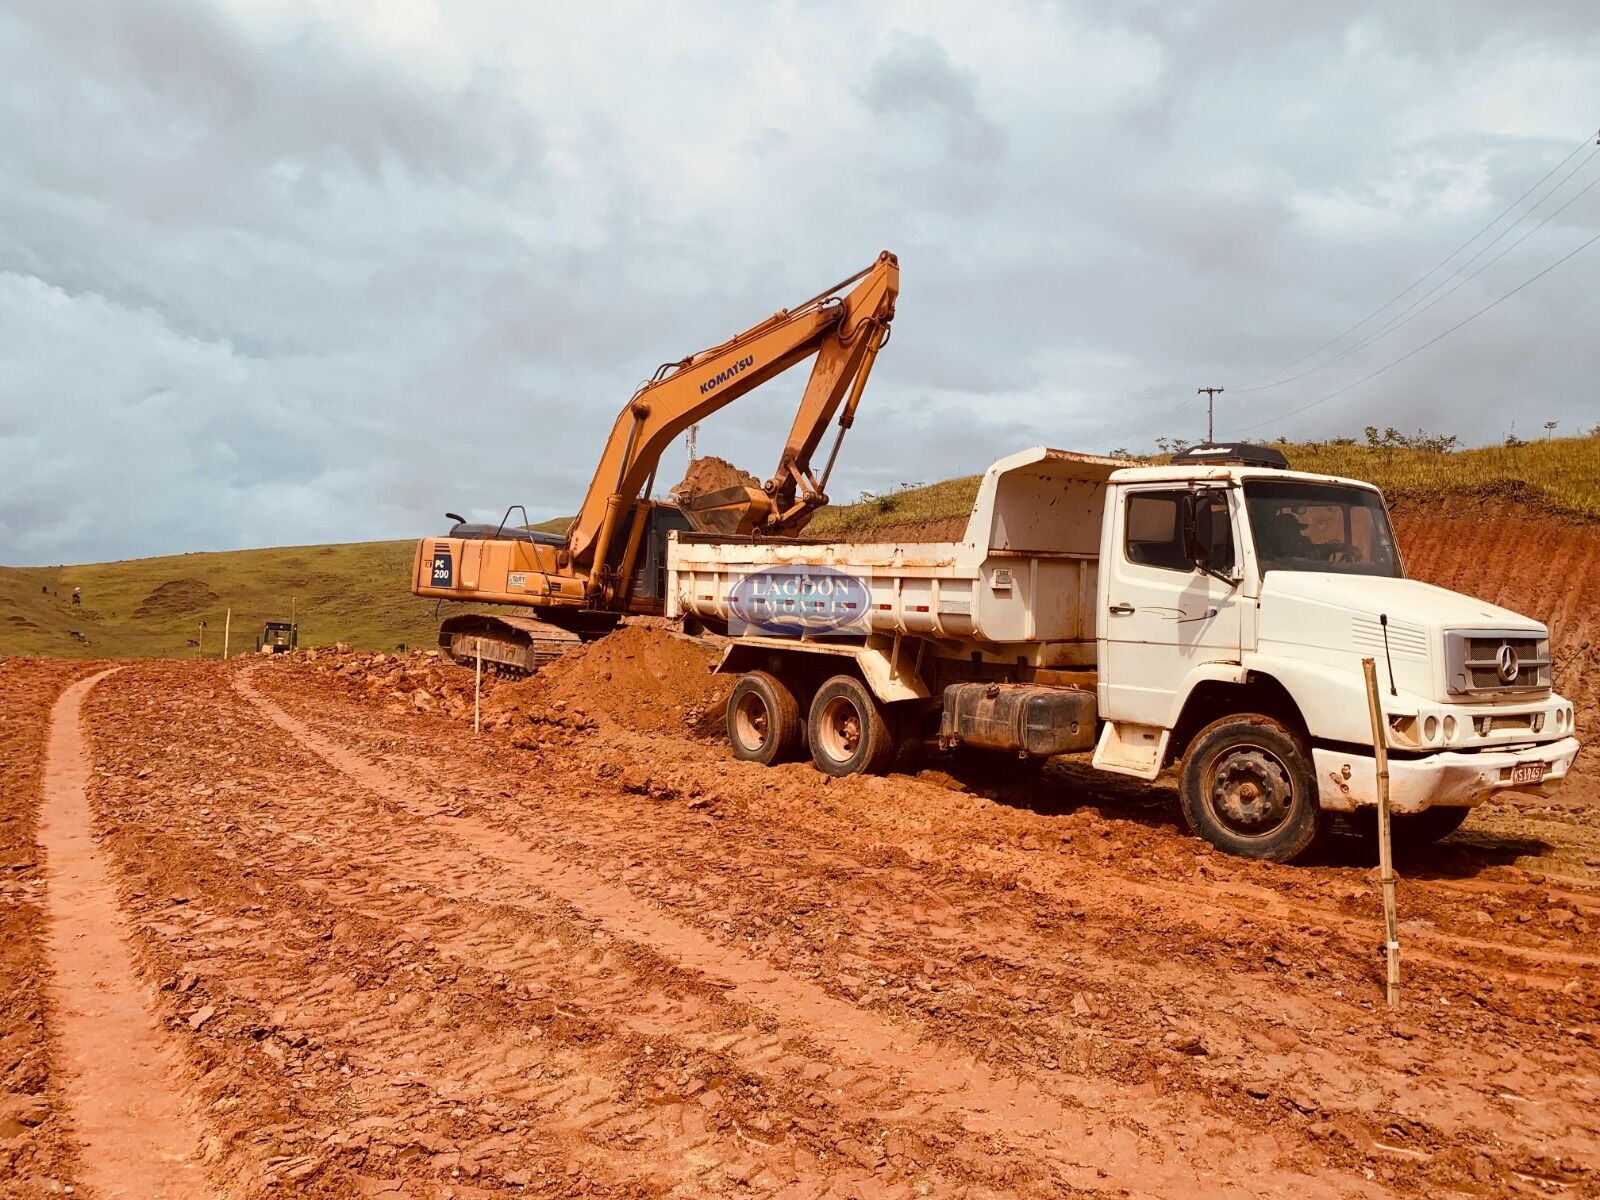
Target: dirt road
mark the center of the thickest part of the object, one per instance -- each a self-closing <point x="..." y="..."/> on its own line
<point x="574" y="958"/>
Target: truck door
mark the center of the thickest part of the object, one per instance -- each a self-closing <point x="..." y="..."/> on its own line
<point x="1161" y="616"/>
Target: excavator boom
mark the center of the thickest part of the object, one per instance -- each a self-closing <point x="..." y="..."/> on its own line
<point x="840" y="332"/>
<point x="609" y="562"/>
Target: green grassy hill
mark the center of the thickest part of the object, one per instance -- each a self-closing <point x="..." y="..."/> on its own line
<point x="151" y="607"/>
<point x="1561" y="473"/>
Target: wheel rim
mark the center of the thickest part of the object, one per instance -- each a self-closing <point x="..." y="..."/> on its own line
<point x="1250" y="791"/>
<point x="839" y="729"/>
<point x="751" y="721"/>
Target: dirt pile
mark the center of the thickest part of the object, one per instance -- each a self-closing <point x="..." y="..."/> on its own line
<point x="643" y="677"/>
<point x="417" y="681"/>
<point x="176" y="598"/>
<point x="711" y="474"/>
<point x="640" y="677"/>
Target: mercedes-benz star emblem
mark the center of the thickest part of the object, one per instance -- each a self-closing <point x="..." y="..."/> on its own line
<point x="1508" y="664"/>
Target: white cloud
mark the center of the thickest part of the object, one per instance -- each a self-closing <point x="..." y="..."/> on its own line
<point x="298" y="270"/>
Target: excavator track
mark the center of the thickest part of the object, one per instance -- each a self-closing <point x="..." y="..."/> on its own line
<point x="508" y="644"/>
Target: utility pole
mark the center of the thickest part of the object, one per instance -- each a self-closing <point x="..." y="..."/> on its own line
<point x="1211" y="398"/>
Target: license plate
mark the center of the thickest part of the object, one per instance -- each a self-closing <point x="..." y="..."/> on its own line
<point x="1531" y="772"/>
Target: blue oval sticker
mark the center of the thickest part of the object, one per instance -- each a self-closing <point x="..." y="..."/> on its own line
<point x="798" y="601"/>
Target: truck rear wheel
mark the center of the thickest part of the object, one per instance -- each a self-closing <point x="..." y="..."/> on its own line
<point x="763" y="719"/>
<point x="848" y="731"/>
<point x="1248" y="788"/>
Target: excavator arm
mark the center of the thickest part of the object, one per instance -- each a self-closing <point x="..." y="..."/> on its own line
<point x="580" y="586"/>
<point x="843" y="332"/>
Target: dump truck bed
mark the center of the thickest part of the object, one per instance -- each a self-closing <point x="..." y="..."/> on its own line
<point x="1026" y="570"/>
<point x="890" y="587"/>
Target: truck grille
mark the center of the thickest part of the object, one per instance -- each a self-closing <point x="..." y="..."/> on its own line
<point x="1490" y="662"/>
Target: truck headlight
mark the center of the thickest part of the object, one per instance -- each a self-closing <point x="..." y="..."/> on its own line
<point x="1430" y="728"/>
<point x="1449" y="729"/>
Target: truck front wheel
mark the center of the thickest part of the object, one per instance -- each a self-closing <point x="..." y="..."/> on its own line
<point x="763" y="719"/>
<point x="1248" y="788"/>
<point x="848" y="731"/>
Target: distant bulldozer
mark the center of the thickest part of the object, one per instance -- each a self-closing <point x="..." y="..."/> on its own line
<point x="278" y="637"/>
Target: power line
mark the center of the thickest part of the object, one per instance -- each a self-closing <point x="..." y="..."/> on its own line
<point x="1155" y="423"/>
<point x="1418" y="350"/>
<point x="1413" y="311"/>
<point x="1587" y="140"/>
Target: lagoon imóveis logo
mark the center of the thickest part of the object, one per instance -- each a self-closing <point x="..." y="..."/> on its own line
<point x="798" y="601"/>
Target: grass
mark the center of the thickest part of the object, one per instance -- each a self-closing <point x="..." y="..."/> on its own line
<point x="931" y="502"/>
<point x="151" y="607"/>
<point x="1560" y="473"/>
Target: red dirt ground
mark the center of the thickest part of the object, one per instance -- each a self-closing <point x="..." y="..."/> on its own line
<point x="396" y="959"/>
<point x="36" y="1158"/>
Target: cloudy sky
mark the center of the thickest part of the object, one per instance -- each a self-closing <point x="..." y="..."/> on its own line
<point x="284" y="271"/>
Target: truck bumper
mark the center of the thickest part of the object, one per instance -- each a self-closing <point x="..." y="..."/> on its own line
<point x="1447" y="779"/>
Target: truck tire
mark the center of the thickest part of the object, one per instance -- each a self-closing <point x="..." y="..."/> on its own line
<point x="1409" y="831"/>
<point x="848" y="731"/>
<point x="763" y="719"/>
<point x="1248" y="788"/>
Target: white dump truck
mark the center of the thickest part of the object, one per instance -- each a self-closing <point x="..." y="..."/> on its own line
<point x="1212" y="613"/>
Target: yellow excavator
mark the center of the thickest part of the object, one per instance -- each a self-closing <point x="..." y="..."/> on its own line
<point x="612" y="560"/>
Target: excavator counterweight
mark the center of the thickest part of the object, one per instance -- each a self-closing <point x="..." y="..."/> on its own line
<point x="611" y="561"/>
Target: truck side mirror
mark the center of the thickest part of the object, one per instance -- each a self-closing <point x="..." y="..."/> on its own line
<point x="1200" y="528"/>
<point x="1197" y="529"/>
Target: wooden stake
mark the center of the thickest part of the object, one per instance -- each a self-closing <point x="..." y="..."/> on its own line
<point x="227" y="628"/>
<point x="477" y="687"/>
<point x="1380" y="751"/>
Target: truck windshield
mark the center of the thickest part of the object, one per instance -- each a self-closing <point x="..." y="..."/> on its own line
<point x="1300" y="526"/>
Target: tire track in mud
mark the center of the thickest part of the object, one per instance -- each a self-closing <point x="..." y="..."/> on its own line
<point x="434" y="1020"/>
<point x="117" y="1069"/>
<point x="1386" y="1086"/>
<point x="1088" y="1138"/>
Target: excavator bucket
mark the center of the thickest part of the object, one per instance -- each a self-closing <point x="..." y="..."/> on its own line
<point x="734" y="510"/>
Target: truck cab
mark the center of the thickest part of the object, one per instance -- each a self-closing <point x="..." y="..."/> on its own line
<point x="1229" y="581"/>
<point x="1212" y="613"/>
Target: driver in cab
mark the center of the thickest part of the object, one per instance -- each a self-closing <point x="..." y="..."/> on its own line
<point x="1282" y="541"/>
